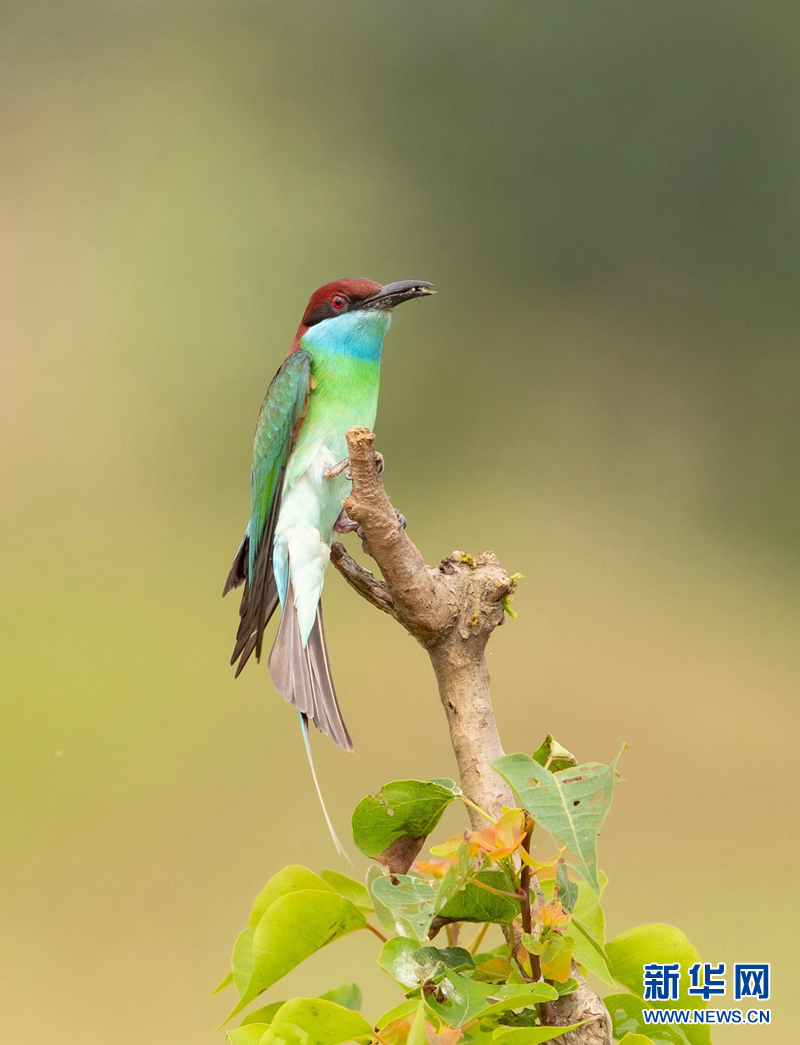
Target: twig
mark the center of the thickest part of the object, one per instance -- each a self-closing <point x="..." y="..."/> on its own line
<point x="477" y="809"/>
<point x="451" y="610"/>
<point x="525" y="879"/>
<point x="375" y="932"/>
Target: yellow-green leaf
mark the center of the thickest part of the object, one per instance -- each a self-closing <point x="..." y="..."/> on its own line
<point x="660" y="944"/>
<point x="531" y="1035"/>
<point x="292" y="928"/>
<point x="288" y="880"/>
<point x="249" y="1035"/>
<point x="626" y="1018"/>
<point x="225" y="982"/>
<point x="312" y="1021"/>
<point x="349" y="888"/>
<point x="417" y="1034"/>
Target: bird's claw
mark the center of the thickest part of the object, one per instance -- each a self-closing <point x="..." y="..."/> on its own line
<point x="344" y="524"/>
<point x="344" y="466"/>
<point x="337" y="469"/>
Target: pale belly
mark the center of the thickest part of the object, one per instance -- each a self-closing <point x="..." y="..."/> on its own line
<point x="309" y="508"/>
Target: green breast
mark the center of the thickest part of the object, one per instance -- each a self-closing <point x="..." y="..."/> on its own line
<point x="344" y="393"/>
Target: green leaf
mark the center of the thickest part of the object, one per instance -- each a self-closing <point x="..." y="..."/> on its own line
<point x="571" y="804"/>
<point x="242" y="962"/>
<point x="399" y="1012"/>
<point x="410" y="965"/>
<point x="566" y="988"/>
<point x="287" y="880"/>
<point x="531" y="1035"/>
<point x="407" y="890"/>
<point x="402" y="808"/>
<point x="626" y="1017"/>
<point x="410" y="900"/>
<point x="292" y="928"/>
<point x="473" y="904"/>
<point x="588" y="910"/>
<point x="249" y="1035"/>
<point x="264" y="1015"/>
<point x="567" y="889"/>
<point x="636" y="1039"/>
<point x="590" y="954"/>
<point x="226" y="982"/>
<point x="312" y="1021"/>
<point x="384" y="914"/>
<point x="589" y="920"/>
<point x="349" y="888"/>
<point x="397" y="958"/>
<point x="532" y="944"/>
<point x="590" y="923"/>
<point x="465" y="998"/>
<point x="428" y="959"/>
<point x="659" y="943"/>
<point x="455" y="877"/>
<point x="559" y="757"/>
<point x="348" y="996"/>
<point x="417" y="1034"/>
<point x="536" y="992"/>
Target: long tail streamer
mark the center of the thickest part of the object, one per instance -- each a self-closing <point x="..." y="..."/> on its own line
<point x="339" y="847"/>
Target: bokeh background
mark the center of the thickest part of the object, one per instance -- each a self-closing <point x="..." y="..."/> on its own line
<point x="604" y="392"/>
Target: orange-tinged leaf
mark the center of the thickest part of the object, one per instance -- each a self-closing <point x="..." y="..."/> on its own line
<point x="450" y="1035"/>
<point x="503" y="838"/>
<point x="556" y="966"/>
<point x="449" y="847"/>
<point x="493" y="969"/>
<point x="396" y="1032"/>
<point x="553" y="916"/>
<point x="497" y="840"/>
<point x="524" y="959"/>
<point x="437" y="868"/>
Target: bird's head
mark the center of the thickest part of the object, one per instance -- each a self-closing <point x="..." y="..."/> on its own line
<point x="353" y="306"/>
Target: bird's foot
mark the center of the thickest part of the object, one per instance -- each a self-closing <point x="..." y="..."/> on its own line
<point x="344" y="466"/>
<point x="337" y="469"/>
<point x="344" y="524"/>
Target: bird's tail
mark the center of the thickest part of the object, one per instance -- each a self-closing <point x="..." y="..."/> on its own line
<point x="307" y="743"/>
<point x="302" y="673"/>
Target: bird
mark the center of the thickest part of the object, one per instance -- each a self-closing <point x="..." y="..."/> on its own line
<point x="327" y="383"/>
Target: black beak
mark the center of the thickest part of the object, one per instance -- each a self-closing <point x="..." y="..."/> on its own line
<point x="395" y="293"/>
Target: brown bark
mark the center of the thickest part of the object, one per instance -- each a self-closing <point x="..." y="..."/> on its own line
<point x="451" y="610"/>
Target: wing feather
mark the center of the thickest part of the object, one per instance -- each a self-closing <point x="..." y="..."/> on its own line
<point x="278" y="423"/>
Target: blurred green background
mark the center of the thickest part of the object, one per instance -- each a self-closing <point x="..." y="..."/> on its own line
<point x="604" y="392"/>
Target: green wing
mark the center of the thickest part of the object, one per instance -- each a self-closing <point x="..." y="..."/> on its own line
<point x="281" y="414"/>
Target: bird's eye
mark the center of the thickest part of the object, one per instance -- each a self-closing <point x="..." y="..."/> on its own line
<point x="338" y="302"/>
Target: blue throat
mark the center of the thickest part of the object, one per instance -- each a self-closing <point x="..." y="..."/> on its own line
<point x="357" y="334"/>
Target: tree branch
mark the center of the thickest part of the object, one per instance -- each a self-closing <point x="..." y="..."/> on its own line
<point x="451" y="610"/>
